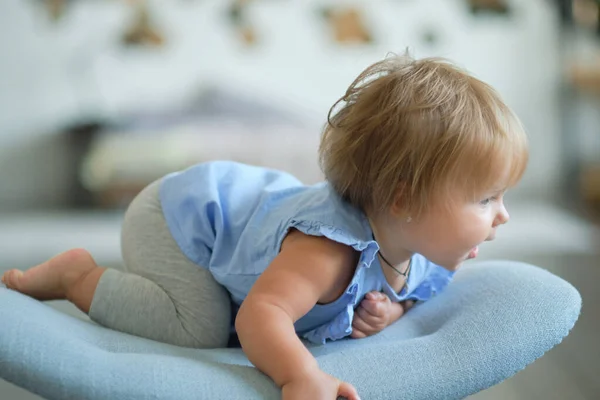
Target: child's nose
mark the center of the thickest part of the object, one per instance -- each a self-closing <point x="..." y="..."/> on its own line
<point x="502" y="217"/>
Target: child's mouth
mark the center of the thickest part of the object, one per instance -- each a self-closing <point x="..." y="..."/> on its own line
<point x="473" y="252"/>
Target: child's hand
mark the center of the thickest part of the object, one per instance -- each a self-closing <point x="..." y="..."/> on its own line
<point x="375" y="313"/>
<point x="318" y="386"/>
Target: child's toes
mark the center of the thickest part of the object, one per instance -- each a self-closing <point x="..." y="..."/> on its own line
<point x="11" y="278"/>
<point x="6" y="278"/>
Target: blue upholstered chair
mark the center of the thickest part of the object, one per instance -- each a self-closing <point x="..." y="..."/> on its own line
<point x="492" y="321"/>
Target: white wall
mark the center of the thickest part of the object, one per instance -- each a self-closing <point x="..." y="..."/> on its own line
<point x="54" y="73"/>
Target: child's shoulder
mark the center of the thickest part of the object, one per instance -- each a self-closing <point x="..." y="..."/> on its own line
<point x="332" y="261"/>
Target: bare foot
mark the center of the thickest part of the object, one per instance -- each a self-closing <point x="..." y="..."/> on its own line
<point x="52" y="279"/>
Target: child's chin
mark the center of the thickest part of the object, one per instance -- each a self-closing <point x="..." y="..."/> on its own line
<point x="453" y="267"/>
<point x="456" y="267"/>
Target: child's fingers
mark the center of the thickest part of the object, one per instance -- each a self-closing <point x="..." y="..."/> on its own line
<point x="370" y="311"/>
<point x="374" y="295"/>
<point x="374" y="324"/>
<point x="356" y="334"/>
<point x="408" y="304"/>
<point x="358" y="329"/>
<point x="375" y="308"/>
<point x="363" y="314"/>
<point x="362" y="325"/>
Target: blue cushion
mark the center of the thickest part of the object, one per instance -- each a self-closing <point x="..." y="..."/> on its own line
<point x="495" y="319"/>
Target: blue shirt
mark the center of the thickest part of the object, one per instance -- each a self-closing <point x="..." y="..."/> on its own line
<point x="231" y="218"/>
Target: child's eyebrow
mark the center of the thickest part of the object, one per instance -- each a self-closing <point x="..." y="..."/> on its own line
<point x="498" y="191"/>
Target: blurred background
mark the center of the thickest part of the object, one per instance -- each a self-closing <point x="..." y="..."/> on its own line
<point x="100" y="97"/>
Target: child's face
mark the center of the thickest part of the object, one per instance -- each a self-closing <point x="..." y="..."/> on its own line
<point x="448" y="234"/>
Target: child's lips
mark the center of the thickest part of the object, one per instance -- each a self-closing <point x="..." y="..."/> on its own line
<point x="473" y="252"/>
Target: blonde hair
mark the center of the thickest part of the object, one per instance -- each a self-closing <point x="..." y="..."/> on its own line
<point x="421" y="127"/>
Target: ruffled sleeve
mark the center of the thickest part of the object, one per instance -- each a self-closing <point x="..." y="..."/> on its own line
<point x="340" y="325"/>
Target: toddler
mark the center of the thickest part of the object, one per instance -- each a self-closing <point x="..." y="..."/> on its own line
<point x="417" y="156"/>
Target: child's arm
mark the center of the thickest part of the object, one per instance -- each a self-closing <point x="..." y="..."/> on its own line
<point x="307" y="270"/>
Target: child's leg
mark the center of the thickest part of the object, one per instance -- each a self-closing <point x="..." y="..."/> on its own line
<point x="162" y="296"/>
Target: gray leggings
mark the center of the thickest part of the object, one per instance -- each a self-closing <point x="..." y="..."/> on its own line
<point x="162" y="295"/>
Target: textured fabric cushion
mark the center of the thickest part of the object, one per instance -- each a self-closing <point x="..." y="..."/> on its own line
<point x="495" y="319"/>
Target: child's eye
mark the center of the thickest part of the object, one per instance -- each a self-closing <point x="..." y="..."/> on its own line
<point x="496" y="197"/>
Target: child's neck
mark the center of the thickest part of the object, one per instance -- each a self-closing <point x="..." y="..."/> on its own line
<point x="392" y="252"/>
<point x="394" y="279"/>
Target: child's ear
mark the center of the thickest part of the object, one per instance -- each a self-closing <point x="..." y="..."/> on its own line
<point x="398" y="207"/>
